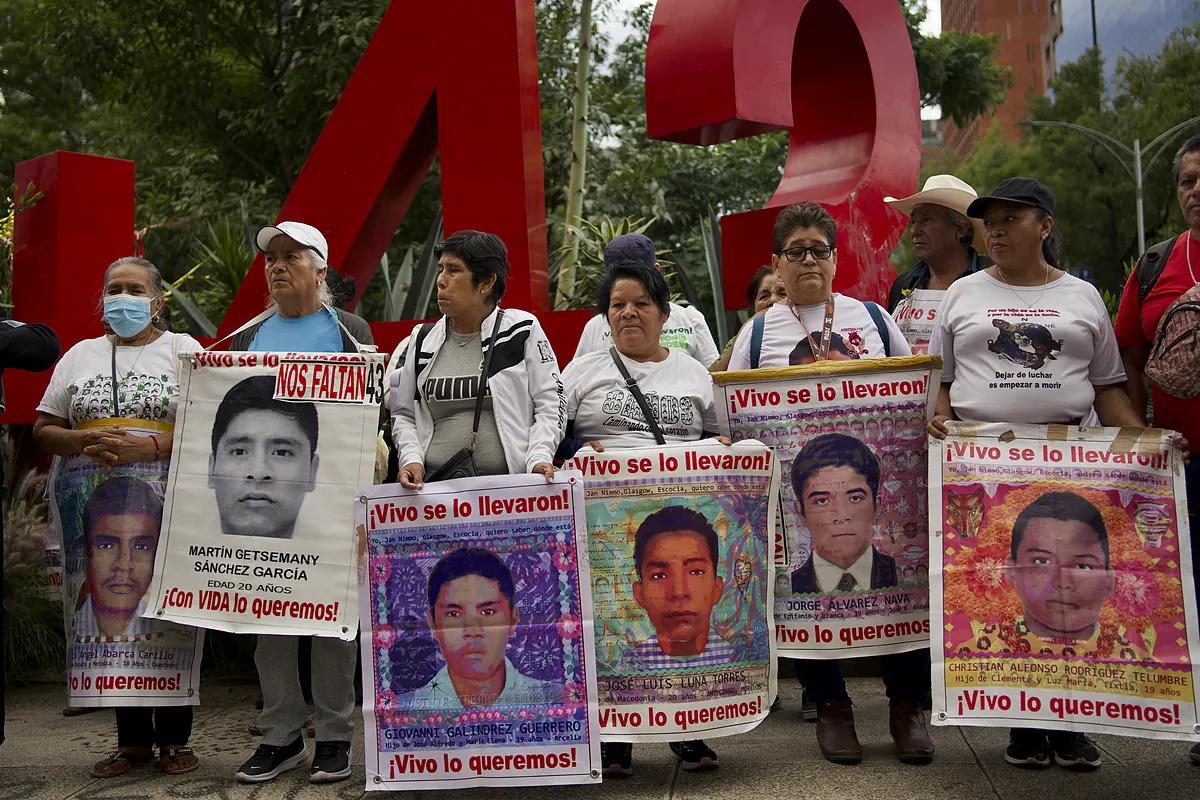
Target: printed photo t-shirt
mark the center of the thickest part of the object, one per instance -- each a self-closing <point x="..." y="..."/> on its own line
<point x="782" y="333"/>
<point x="685" y="329"/>
<point x="678" y="390"/>
<point x="1029" y="354"/>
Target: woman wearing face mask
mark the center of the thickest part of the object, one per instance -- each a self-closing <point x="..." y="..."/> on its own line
<point x="764" y="291"/>
<point x="1025" y="316"/>
<point x="131" y="372"/>
<point x="636" y="301"/>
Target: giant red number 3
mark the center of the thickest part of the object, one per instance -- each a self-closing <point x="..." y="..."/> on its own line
<point x="460" y="79"/>
<point x="838" y="74"/>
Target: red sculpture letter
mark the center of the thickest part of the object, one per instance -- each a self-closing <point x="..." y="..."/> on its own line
<point x="839" y="74"/>
<point x="456" y="77"/>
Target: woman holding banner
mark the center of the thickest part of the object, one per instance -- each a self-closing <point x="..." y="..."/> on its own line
<point x="100" y="390"/>
<point x="450" y="419"/>
<point x="1005" y="320"/>
<point x="634" y="394"/>
<point x="817" y="324"/>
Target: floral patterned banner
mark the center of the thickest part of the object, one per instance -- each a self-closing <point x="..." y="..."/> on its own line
<point x="477" y="634"/>
<point x="1062" y="582"/>
<point x="679" y="541"/>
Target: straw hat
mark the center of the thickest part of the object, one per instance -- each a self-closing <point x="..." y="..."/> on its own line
<point x="943" y="190"/>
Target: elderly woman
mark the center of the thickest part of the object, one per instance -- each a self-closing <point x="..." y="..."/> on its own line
<point x="805" y="261"/>
<point x="764" y="291"/>
<point x="636" y="302"/>
<point x="129" y="373"/>
<point x="301" y="319"/>
<point x="996" y="321"/>
<point x="440" y="427"/>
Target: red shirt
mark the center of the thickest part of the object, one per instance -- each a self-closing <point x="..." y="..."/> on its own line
<point x="1138" y="322"/>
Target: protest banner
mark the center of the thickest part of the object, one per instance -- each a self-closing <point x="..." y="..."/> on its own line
<point x="852" y="569"/>
<point x="106" y="522"/>
<point x="1062" y="588"/>
<point x="916" y="316"/>
<point x="258" y="530"/>
<point x="679" y="541"/>
<point x="477" y="634"/>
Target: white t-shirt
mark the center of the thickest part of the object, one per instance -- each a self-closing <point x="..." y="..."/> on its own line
<point x="678" y="390"/>
<point x="783" y="333"/>
<point x="1008" y="362"/>
<point x="80" y="388"/>
<point x="917" y="316"/>
<point x="685" y="329"/>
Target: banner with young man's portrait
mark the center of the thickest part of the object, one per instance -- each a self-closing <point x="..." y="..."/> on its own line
<point x="679" y="538"/>
<point x="478" y="663"/>
<point x="258" y="526"/>
<point x="851" y="562"/>
<point x="107" y="522"/>
<point x="1062" y="587"/>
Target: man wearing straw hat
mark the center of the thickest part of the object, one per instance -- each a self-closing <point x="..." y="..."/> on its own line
<point x="942" y="236"/>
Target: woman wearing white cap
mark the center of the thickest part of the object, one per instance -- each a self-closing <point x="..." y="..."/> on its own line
<point x="943" y="238"/>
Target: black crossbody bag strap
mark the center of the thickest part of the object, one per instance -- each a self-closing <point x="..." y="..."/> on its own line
<point x="637" y="395"/>
<point x="483" y="378"/>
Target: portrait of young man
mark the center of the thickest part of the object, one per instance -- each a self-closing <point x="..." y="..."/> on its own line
<point x="121" y="520"/>
<point x="264" y="459"/>
<point x="1059" y="566"/>
<point x="676" y="554"/>
<point x="836" y="481"/>
<point x="472" y="616"/>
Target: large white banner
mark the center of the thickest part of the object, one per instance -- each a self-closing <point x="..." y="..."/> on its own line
<point x="1062" y="582"/>
<point x="478" y="662"/>
<point x="258" y="529"/>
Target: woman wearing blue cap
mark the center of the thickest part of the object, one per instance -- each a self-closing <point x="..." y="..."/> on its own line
<point x="1024" y="342"/>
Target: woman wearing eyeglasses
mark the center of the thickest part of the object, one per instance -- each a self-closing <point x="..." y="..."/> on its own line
<point x="805" y="261"/>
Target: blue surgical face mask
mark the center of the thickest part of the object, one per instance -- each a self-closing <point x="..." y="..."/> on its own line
<point x="126" y="314"/>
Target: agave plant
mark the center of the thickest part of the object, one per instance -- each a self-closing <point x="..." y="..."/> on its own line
<point x="592" y="238"/>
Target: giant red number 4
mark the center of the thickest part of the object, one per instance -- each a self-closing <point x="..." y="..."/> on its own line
<point x="460" y="79"/>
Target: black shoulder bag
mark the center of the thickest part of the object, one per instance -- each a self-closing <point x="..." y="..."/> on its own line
<point x="462" y="463"/>
<point x="638" y="396"/>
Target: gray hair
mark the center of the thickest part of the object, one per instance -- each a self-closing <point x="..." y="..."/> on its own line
<point x="958" y="219"/>
<point x="162" y="320"/>
<point x="324" y="294"/>
<point x="1192" y="145"/>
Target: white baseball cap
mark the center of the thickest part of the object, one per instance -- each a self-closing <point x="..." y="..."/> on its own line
<point x="941" y="190"/>
<point x="303" y="234"/>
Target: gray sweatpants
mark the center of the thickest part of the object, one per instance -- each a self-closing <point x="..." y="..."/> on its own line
<point x="284" y="709"/>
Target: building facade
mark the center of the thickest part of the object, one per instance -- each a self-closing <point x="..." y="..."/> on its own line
<point x="1029" y="32"/>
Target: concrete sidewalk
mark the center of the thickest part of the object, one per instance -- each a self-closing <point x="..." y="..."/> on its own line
<point x="48" y="756"/>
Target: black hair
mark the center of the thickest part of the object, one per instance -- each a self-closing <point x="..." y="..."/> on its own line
<point x="803" y="215"/>
<point x="756" y="284"/>
<point x="834" y="450"/>
<point x="121" y="495"/>
<point x="470" y="561"/>
<point x="804" y="349"/>
<point x="1052" y="245"/>
<point x="1192" y="145"/>
<point x="484" y="254"/>
<point x="673" y="518"/>
<point x="650" y="278"/>
<point x="341" y="288"/>
<point x="1064" y="506"/>
<point x="258" y="394"/>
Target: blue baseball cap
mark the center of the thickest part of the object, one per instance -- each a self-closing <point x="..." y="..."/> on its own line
<point x="630" y="247"/>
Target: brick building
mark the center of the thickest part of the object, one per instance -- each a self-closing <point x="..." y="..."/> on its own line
<point x="1028" y="31"/>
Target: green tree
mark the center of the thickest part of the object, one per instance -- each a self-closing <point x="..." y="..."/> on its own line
<point x="1095" y="198"/>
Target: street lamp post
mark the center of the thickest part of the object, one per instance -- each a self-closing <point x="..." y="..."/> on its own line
<point x="1131" y="161"/>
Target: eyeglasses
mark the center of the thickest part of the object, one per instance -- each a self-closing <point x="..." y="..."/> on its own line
<point x="820" y="252"/>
